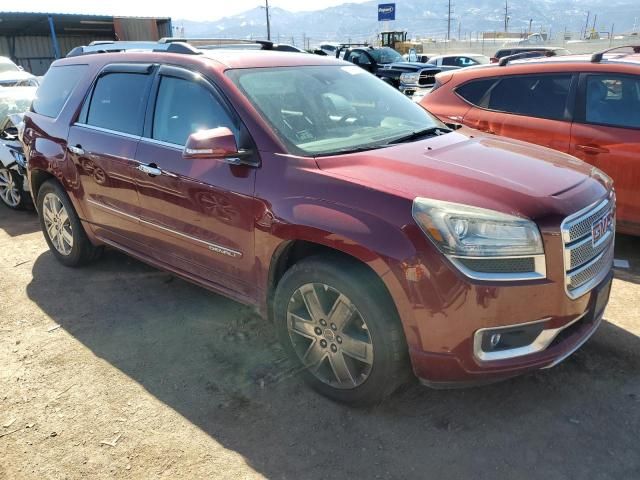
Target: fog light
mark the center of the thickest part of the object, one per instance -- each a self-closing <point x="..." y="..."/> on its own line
<point x="507" y="338"/>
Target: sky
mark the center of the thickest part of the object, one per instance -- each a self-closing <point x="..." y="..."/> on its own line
<point x="176" y="9"/>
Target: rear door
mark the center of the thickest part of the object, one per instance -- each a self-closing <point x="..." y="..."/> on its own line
<point x="198" y="213"/>
<point x="534" y="108"/>
<point x="102" y="144"/>
<point x="606" y="134"/>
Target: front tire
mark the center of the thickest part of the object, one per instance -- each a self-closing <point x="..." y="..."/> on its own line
<point x="11" y="192"/>
<point x="62" y="228"/>
<point x="336" y="321"/>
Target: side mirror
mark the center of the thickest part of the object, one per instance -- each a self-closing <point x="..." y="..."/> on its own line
<point x="413" y="56"/>
<point x="214" y="143"/>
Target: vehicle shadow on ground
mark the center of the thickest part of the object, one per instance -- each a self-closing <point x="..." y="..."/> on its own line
<point x="628" y="248"/>
<point x="18" y="222"/>
<point x="213" y="361"/>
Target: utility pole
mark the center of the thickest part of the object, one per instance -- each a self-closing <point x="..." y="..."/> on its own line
<point x="266" y="9"/>
<point x="506" y="16"/>
<point x="530" y="22"/>
<point x="586" y="26"/>
<point x="459" y="27"/>
<point x="449" y="22"/>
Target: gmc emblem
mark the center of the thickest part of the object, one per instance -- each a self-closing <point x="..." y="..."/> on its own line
<point x="601" y="226"/>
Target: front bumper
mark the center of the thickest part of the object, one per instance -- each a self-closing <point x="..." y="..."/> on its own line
<point x="415" y="92"/>
<point x="465" y="367"/>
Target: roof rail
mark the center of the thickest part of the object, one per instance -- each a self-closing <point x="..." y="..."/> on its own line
<point x="504" y="61"/>
<point x="597" y="57"/>
<point x="107" y="46"/>
<point x="207" y="43"/>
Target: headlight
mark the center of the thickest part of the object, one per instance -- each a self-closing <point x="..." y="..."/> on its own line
<point x="491" y="244"/>
<point x="409" y="78"/>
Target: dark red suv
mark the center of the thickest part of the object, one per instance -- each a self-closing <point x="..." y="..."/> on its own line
<point x="373" y="236"/>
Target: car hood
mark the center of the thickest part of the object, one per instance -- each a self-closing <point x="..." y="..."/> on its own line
<point x="475" y="169"/>
<point x="408" y="66"/>
<point x="15" y="76"/>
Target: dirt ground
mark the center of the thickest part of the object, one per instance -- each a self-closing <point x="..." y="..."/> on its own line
<point x="118" y="370"/>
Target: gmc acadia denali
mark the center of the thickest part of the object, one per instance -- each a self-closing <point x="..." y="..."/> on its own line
<point x="375" y="238"/>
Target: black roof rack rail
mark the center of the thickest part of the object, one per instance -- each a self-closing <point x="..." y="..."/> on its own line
<point x="504" y="61"/>
<point x="597" y="57"/>
<point x="107" y="46"/>
<point x="217" y="42"/>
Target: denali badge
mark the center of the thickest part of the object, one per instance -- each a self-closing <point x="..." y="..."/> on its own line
<point x="601" y="226"/>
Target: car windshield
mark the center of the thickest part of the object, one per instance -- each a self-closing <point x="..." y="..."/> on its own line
<point x="385" y="55"/>
<point x="7" y="66"/>
<point x="480" y="59"/>
<point x="324" y="110"/>
<point x="15" y="100"/>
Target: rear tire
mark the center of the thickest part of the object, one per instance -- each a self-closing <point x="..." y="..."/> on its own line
<point x="337" y="322"/>
<point x="62" y="228"/>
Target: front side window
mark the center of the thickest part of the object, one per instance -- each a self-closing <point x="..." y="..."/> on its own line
<point x="118" y="102"/>
<point x="613" y="100"/>
<point x="56" y="87"/>
<point x="184" y="107"/>
<point x="476" y="92"/>
<point x="543" y="96"/>
<point x="324" y="110"/>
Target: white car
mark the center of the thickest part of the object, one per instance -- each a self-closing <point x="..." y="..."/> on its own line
<point x="14" y="189"/>
<point x="459" y="60"/>
<point x="11" y="75"/>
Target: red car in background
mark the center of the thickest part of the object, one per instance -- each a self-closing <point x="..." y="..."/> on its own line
<point x="584" y="105"/>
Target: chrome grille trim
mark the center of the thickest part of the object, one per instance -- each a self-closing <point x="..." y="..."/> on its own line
<point x="583" y="251"/>
<point x="579" y="224"/>
<point x="586" y="264"/>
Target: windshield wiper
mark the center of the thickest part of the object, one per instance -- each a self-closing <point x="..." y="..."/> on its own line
<point x="363" y="148"/>
<point x="421" y="133"/>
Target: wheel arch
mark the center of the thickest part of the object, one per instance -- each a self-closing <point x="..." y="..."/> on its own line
<point x="36" y="178"/>
<point x="291" y="251"/>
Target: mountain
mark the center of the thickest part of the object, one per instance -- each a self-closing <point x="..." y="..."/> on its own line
<point x="421" y="18"/>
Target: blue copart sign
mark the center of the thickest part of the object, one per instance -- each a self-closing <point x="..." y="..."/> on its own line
<point x="386" y="11"/>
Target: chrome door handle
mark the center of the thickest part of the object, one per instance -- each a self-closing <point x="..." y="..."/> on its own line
<point x="78" y="150"/>
<point x="151" y="170"/>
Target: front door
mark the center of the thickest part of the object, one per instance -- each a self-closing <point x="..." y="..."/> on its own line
<point x="532" y="108"/>
<point x="606" y="134"/>
<point x="197" y="213"/>
<point x="102" y="145"/>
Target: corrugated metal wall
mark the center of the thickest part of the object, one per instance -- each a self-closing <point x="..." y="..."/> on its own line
<point x="35" y="53"/>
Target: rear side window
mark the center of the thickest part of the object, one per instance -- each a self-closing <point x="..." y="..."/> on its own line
<point x="613" y="100"/>
<point x="118" y="102"/>
<point x="184" y="107"/>
<point x="476" y="91"/>
<point x="543" y="96"/>
<point x="56" y="88"/>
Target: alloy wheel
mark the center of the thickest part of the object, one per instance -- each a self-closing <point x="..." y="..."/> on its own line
<point x="57" y="223"/>
<point x="9" y="190"/>
<point x="330" y="336"/>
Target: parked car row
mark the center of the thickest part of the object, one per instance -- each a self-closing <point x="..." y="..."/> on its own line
<point x="584" y="105"/>
<point x="375" y="237"/>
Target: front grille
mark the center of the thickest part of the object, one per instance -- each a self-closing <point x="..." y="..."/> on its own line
<point x="427" y="79"/>
<point x="586" y="263"/>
